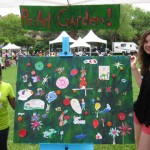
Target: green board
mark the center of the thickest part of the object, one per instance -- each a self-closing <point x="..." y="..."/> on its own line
<point x="67" y="18"/>
<point x="74" y="100"/>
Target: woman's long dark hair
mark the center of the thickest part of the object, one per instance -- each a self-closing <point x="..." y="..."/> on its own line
<point x="143" y="57"/>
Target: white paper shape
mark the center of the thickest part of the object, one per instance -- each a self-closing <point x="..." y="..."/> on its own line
<point x="24" y="94"/>
<point x="76" y="106"/>
<point x="34" y="104"/>
<point x="104" y="72"/>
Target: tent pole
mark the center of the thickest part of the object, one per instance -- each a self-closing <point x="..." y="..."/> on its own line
<point x="49" y="49"/>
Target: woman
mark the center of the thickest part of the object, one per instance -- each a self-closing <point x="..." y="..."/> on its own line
<point x="6" y="96"/>
<point x="142" y="105"/>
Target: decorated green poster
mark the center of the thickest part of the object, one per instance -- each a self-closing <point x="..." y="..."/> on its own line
<point x="74" y="100"/>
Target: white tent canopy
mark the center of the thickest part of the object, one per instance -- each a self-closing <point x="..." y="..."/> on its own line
<point x="10" y="46"/>
<point x="91" y="37"/>
<point x="59" y="38"/>
<point x="80" y="43"/>
<point x="16" y="3"/>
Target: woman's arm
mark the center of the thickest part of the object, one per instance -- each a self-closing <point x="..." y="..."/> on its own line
<point x="12" y="102"/>
<point x="135" y="71"/>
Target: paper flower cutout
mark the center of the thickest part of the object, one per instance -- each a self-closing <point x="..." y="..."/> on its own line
<point x="22" y="133"/>
<point x="121" y="116"/>
<point x="66" y="101"/>
<point x="109" y="123"/>
<point x="74" y="72"/>
<point x="95" y="123"/>
<point x="58" y="92"/>
<point x="103" y="121"/>
<point x="49" y="65"/>
<point x="33" y="72"/>
<point x="62" y="82"/>
<point x="124" y="130"/>
<point x="19" y="118"/>
<point x="114" y="132"/>
<point x="114" y="75"/>
<point x="118" y="64"/>
<point x="39" y="66"/>
<point x="28" y="64"/>
<point x="108" y="89"/>
<point x="36" y="125"/>
<point x="98" y="136"/>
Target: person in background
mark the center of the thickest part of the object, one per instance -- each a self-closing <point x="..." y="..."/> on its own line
<point x="1" y="62"/>
<point x="142" y="104"/>
<point x="40" y="53"/>
<point x="6" y="96"/>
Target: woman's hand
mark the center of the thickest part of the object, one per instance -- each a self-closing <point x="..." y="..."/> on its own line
<point x="133" y="60"/>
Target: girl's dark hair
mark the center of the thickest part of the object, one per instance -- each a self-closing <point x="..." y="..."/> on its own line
<point x="0" y="72"/>
<point x="143" y="57"/>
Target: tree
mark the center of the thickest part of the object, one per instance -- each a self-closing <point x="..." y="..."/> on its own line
<point x="125" y="32"/>
<point x="24" y="41"/>
<point x="140" y="21"/>
<point x="10" y="27"/>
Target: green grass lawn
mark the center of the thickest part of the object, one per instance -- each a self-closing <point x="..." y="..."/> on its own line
<point x="9" y="75"/>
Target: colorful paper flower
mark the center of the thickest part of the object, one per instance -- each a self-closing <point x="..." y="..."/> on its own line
<point x="36" y="125"/>
<point x="103" y="121"/>
<point x="124" y="130"/>
<point x="62" y="82"/>
<point x="109" y="123"/>
<point x="33" y="72"/>
<point x="28" y="64"/>
<point x="98" y="136"/>
<point x="121" y="116"/>
<point x="22" y="133"/>
<point x="49" y="65"/>
<point x="118" y="64"/>
<point x="74" y="72"/>
<point x="121" y="68"/>
<point x="108" y="89"/>
<point x="39" y="65"/>
<point x="58" y="92"/>
<point x="114" y="75"/>
<point x="19" y="118"/>
<point x="95" y="123"/>
<point x="114" y="132"/>
<point x="86" y="113"/>
<point x="66" y="101"/>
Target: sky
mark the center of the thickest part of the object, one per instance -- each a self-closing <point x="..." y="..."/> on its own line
<point x="14" y="10"/>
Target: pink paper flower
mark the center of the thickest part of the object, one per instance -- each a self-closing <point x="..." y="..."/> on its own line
<point x="98" y="136"/>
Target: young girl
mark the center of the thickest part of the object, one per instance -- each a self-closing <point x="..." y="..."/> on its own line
<point x="6" y="96"/>
<point x="142" y="105"/>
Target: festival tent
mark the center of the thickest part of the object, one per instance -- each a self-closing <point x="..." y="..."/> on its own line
<point x="59" y="38"/>
<point x="91" y="37"/>
<point x="80" y="43"/>
<point x="16" y="3"/>
<point x="10" y="46"/>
